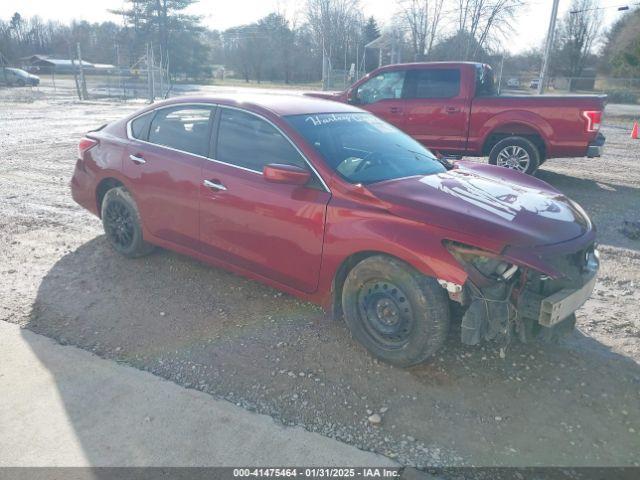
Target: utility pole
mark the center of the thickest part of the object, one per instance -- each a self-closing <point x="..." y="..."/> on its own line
<point x="83" y="84"/>
<point x="149" y="75"/>
<point x="500" y="75"/>
<point x="326" y="68"/>
<point x="75" y="72"/>
<point x="547" y="49"/>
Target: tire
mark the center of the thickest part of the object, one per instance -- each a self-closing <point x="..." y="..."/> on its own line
<point x="122" y="224"/>
<point x="517" y="153"/>
<point x="398" y="314"/>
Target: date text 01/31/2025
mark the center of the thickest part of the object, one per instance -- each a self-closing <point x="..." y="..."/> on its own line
<point x="318" y="472"/>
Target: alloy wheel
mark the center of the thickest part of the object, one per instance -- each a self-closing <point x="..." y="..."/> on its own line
<point x="119" y="224"/>
<point x="514" y="157"/>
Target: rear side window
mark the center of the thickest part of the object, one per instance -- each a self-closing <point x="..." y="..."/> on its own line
<point x="183" y="128"/>
<point x="140" y="126"/>
<point x="251" y="142"/>
<point x="433" y="83"/>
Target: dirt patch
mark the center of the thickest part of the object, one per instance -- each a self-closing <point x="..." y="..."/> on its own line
<point x="570" y="404"/>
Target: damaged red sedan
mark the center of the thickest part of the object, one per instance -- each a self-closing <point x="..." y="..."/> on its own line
<point x="329" y="203"/>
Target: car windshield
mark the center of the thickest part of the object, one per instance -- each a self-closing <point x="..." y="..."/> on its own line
<point x="361" y="148"/>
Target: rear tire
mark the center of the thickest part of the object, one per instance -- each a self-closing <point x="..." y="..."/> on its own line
<point x="516" y="153"/>
<point x="122" y="224"/>
<point x="398" y="314"/>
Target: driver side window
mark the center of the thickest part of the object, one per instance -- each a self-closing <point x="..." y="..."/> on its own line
<point x="387" y="85"/>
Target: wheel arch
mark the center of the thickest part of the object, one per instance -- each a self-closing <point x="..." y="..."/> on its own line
<point x="102" y="188"/>
<point x="351" y="261"/>
<point x="515" y="129"/>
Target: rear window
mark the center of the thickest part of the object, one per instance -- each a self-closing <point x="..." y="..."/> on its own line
<point x="433" y="83"/>
<point x="484" y="82"/>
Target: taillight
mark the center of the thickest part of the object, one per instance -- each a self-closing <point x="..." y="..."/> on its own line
<point x="593" y="117"/>
<point x="84" y="145"/>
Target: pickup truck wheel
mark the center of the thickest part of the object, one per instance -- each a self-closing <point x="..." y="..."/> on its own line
<point x="398" y="314"/>
<point x="122" y="225"/>
<point x="516" y="153"/>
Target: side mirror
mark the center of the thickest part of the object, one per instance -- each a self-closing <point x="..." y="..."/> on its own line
<point x="352" y="97"/>
<point x="289" y="174"/>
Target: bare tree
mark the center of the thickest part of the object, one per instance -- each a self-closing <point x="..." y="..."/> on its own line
<point x="481" y="22"/>
<point x="422" y="19"/>
<point x="579" y="30"/>
<point x="333" y="23"/>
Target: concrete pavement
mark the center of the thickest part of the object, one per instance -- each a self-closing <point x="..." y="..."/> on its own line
<point x="63" y="406"/>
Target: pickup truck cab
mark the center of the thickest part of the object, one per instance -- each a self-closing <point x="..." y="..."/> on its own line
<point x="453" y="109"/>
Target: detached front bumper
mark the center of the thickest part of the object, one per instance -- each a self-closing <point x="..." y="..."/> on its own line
<point x="560" y="305"/>
<point x="550" y="301"/>
<point x="596" y="148"/>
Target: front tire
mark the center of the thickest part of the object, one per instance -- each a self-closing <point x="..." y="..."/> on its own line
<point x="398" y="314"/>
<point x="122" y="224"/>
<point x="516" y="153"/>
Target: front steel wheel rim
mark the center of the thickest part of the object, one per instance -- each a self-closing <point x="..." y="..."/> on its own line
<point x="386" y="313"/>
<point x="514" y="157"/>
<point x="119" y="224"/>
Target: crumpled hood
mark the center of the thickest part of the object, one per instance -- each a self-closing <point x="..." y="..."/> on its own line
<point x="489" y="202"/>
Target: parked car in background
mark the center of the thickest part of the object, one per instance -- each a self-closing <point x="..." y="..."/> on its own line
<point x="513" y="83"/>
<point x="534" y="83"/>
<point x="330" y="203"/>
<point x="16" y="77"/>
<point x="453" y="109"/>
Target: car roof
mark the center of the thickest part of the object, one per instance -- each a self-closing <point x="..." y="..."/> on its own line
<point x="276" y="103"/>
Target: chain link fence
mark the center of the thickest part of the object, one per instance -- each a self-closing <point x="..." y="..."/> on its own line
<point x="618" y="90"/>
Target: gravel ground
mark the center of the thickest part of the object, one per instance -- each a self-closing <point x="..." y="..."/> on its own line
<point x="576" y="403"/>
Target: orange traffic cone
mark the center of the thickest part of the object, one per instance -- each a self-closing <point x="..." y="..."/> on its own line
<point x="634" y="131"/>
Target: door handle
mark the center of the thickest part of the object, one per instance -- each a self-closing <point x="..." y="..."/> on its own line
<point x="395" y="110"/>
<point x="453" y="109"/>
<point x="137" y="160"/>
<point x="214" y="184"/>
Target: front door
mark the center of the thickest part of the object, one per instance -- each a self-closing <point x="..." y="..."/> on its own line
<point x="275" y="230"/>
<point x="382" y="96"/>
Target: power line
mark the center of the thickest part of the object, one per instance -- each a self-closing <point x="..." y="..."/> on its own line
<point x="620" y="8"/>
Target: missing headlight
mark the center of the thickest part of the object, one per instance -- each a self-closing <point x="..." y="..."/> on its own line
<point x="489" y="264"/>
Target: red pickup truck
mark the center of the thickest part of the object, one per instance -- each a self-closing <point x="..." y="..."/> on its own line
<point x="453" y="109"/>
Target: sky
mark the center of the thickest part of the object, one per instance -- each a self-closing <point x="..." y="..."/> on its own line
<point x="530" y="27"/>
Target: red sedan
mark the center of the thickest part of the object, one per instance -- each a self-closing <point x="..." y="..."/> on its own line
<point x="329" y="203"/>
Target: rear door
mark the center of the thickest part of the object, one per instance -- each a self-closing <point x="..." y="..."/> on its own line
<point x="382" y="96"/>
<point x="275" y="230"/>
<point x="436" y="109"/>
<point x="164" y="162"/>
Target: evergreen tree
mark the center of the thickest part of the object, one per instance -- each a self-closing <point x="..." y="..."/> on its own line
<point x="370" y="32"/>
<point x="163" y="22"/>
